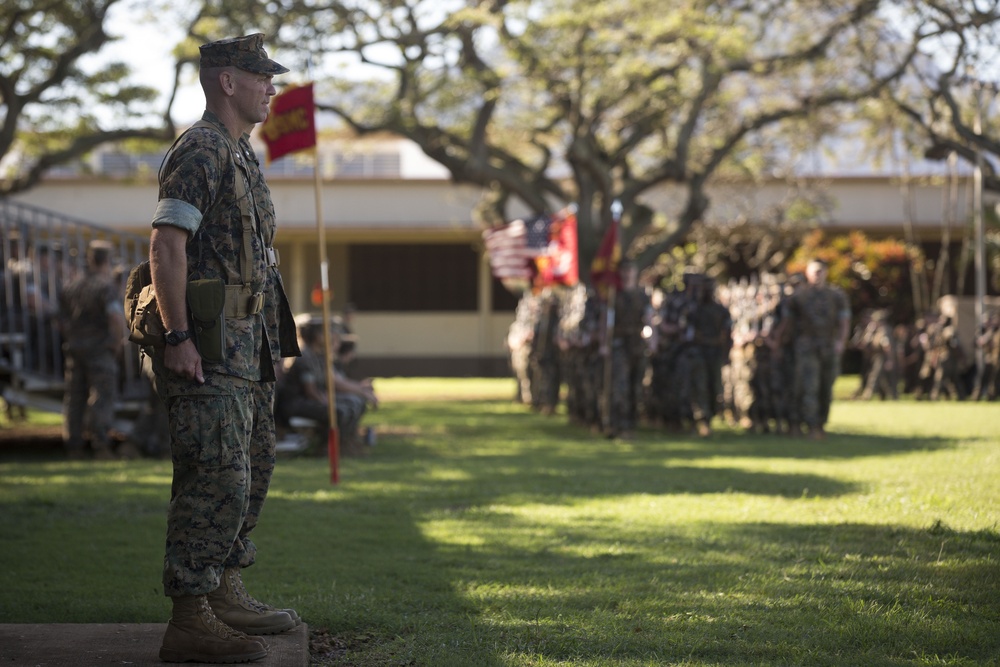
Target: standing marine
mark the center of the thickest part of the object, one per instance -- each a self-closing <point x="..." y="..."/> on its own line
<point x="227" y="322"/>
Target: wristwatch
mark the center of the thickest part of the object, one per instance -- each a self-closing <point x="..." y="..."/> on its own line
<point x="173" y="337"/>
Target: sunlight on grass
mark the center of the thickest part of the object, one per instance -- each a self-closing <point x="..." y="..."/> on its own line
<point x="478" y="533"/>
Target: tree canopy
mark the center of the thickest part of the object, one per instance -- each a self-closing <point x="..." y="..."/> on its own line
<point x="567" y="101"/>
<point x="545" y="103"/>
<point x="52" y="109"/>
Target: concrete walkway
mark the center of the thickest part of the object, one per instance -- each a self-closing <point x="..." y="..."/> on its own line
<point x="86" y="644"/>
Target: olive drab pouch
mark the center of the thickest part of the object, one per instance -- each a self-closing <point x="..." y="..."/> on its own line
<point x="206" y="301"/>
<point x="145" y="327"/>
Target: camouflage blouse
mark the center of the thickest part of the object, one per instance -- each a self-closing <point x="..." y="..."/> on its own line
<point x="197" y="193"/>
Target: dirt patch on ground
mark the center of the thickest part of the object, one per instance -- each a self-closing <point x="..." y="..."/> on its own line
<point x="27" y="433"/>
<point x="30" y="441"/>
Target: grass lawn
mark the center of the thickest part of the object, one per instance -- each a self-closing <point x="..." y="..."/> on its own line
<point x="479" y="533"/>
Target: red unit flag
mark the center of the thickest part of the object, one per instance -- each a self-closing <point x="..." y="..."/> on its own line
<point x="560" y="265"/>
<point x="604" y="269"/>
<point x="291" y="124"/>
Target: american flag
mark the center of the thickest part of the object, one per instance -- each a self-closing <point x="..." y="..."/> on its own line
<point x="514" y="247"/>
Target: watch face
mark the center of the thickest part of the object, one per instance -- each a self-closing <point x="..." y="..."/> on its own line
<point x="176" y="337"/>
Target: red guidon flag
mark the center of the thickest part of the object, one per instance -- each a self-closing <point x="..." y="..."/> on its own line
<point x="291" y="125"/>
<point x="560" y="266"/>
<point x="604" y="268"/>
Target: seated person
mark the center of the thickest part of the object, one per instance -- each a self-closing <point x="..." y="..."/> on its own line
<point x="302" y="389"/>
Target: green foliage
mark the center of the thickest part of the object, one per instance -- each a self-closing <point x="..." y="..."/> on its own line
<point x="56" y="104"/>
<point x="588" y="103"/>
<point x="875" y="273"/>
<point x="479" y="533"/>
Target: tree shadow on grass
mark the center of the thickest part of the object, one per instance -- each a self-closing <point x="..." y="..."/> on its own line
<point x="844" y="594"/>
<point x="363" y="561"/>
<point x="593" y="590"/>
<point x="517" y="425"/>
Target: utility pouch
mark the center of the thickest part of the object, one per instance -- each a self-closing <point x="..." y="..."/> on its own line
<point x="206" y="301"/>
<point x="145" y="327"/>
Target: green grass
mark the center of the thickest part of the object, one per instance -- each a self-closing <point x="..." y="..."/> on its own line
<point x="479" y="533"/>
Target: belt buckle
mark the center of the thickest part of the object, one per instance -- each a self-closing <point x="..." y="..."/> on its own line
<point x="271" y="256"/>
<point x="255" y="303"/>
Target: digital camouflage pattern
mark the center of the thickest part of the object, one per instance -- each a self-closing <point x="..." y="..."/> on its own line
<point x="246" y="53"/>
<point x="210" y="434"/>
<point x="91" y="367"/>
<point x="201" y="170"/>
<point x="543" y="357"/>
<point x="814" y="311"/>
<point x="84" y="305"/>
<point x="627" y="359"/>
<point x="711" y="329"/>
<point x="222" y="432"/>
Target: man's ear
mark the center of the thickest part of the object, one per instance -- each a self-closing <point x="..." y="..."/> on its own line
<point x="227" y="81"/>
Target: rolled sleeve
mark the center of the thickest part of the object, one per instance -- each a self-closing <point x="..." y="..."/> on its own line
<point x="177" y="213"/>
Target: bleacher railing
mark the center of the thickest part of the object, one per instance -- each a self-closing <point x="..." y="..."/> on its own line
<point x="39" y="252"/>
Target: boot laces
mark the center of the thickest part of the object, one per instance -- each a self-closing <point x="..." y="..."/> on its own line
<point x="242" y="594"/>
<point x="217" y="627"/>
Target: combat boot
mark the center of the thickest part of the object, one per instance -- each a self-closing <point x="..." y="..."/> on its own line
<point x="235" y="607"/>
<point x="238" y="583"/>
<point x="195" y="634"/>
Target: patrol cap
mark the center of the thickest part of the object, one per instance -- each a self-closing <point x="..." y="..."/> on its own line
<point x="99" y="252"/>
<point x="796" y="279"/>
<point x="308" y="323"/>
<point x="246" y="52"/>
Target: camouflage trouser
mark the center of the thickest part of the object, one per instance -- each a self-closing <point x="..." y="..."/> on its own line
<point x="91" y="388"/>
<point x="786" y="399"/>
<point x="816" y="368"/>
<point x="572" y="369"/>
<point x="591" y="378"/>
<point x="626" y="383"/>
<point x="222" y="446"/>
<point x="520" y="367"/>
<point x="743" y="385"/>
<point x="545" y="381"/>
<point x="350" y="409"/>
<point x="880" y="378"/>
<point x="663" y="385"/>
<point x="704" y="381"/>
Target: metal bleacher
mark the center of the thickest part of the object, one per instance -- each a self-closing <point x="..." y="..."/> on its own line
<point x="39" y="251"/>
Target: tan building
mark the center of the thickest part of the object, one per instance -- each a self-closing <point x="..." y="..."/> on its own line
<point x="403" y="248"/>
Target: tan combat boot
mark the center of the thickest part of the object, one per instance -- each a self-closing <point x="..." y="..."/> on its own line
<point x="235" y="607"/>
<point x="194" y="634"/>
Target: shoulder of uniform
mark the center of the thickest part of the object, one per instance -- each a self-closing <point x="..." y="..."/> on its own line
<point x="204" y="136"/>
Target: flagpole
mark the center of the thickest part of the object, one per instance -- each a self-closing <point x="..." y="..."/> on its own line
<point x="609" y="333"/>
<point x="290" y="126"/>
<point x="333" y="436"/>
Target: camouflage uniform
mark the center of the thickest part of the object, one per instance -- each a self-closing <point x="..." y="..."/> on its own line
<point x="627" y="359"/>
<point x="590" y="360"/>
<point x="786" y="397"/>
<point x="948" y="360"/>
<point x="574" y="337"/>
<point x="91" y="361"/>
<point x="291" y="400"/>
<point x="543" y="359"/>
<point x="711" y="331"/>
<point x="815" y="311"/>
<point x="989" y="341"/>
<point x="670" y="325"/>
<point x="877" y="340"/>
<point x="518" y="342"/>
<point x="222" y="431"/>
<point x="743" y="401"/>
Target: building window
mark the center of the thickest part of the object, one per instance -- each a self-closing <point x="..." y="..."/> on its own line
<point x="503" y="299"/>
<point x="367" y="165"/>
<point x="413" y="277"/>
